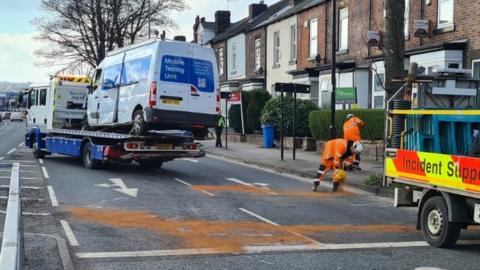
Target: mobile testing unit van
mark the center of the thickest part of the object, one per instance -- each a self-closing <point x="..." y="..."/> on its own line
<point x="54" y="121"/>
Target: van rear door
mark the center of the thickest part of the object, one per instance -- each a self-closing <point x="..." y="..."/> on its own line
<point x="173" y="88"/>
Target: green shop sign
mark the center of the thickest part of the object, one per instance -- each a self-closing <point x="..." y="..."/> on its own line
<point x="346" y="95"/>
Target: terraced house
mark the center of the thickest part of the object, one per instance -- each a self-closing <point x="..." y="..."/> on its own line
<point x="290" y="41"/>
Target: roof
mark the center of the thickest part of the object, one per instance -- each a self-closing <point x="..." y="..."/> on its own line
<point x="247" y="24"/>
<point x="289" y="11"/>
<point x="208" y="25"/>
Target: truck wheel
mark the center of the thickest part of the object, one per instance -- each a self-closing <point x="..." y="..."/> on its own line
<point x="200" y="133"/>
<point x="139" y="127"/>
<point x="150" y="164"/>
<point x="37" y="152"/>
<point x="88" y="160"/>
<point x="436" y="229"/>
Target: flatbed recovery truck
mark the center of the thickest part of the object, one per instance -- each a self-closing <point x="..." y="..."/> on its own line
<point x="57" y="132"/>
<point x="432" y="153"/>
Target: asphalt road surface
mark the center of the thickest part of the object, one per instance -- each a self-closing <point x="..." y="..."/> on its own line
<point x="215" y="214"/>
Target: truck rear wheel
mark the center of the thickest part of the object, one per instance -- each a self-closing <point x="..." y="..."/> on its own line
<point x="150" y="164"/>
<point x="88" y="160"/>
<point x="436" y="229"/>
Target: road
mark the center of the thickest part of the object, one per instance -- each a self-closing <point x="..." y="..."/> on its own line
<point x="215" y="214"/>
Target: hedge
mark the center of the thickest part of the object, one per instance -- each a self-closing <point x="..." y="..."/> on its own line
<point x="374" y="119"/>
<point x="253" y="103"/>
<point x="271" y="115"/>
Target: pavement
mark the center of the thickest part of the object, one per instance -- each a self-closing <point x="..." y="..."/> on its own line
<point x="305" y="164"/>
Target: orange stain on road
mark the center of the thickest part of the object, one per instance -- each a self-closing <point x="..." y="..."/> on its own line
<point x="223" y="236"/>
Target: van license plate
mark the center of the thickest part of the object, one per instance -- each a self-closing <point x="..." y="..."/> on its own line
<point x="171" y="102"/>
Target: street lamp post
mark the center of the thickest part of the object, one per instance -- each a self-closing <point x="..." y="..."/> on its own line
<point x="149" y="15"/>
<point x="333" y="128"/>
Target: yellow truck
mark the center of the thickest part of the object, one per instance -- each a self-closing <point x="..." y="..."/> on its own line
<point x="433" y="151"/>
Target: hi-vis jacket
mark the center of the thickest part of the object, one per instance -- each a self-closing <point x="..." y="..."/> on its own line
<point x="351" y="129"/>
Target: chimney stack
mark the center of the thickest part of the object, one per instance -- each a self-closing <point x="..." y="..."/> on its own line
<point x="195" y="28"/>
<point x="222" y="21"/>
<point x="294" y="2"/>
<point x="256" y="9"/>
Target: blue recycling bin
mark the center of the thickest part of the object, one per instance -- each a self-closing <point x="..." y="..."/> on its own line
<point x="268" y="135"/>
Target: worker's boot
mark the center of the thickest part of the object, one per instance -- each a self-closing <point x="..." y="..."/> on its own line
<point x="356" y="165"/>
<point x="335" y="186"/>
<point x="316" y="183"/>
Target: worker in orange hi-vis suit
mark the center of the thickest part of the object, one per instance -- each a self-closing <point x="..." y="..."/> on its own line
<point x="335" y="152"/>
<point x="351" y="132"/>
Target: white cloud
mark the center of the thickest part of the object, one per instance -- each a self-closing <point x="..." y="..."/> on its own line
<point x="17" y="59"/>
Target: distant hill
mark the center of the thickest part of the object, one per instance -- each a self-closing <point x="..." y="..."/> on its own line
<point x="12" y="87"/>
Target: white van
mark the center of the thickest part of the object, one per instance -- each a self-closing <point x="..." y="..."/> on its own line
<point x="156" y="85"/>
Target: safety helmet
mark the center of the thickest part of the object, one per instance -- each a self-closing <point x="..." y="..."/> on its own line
<point x="357" y="147"/>
<point x="339" y="176"/>
<point x="350" y="115"/>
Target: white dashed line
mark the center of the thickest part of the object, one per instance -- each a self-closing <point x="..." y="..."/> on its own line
<point x="235" y="180"/>
<point x="259" y="217"/>
<point x="30" y="213"/>
<point x="11" y="151"/>
<point x="24" y="178"/>
<point x="190" y="159"/>
<point x="2" y="158"/>
<point x="40" y="161"/>
<point x="20" y="145"/>
<point x="53" y="198"/>
<point x="187" y="184"/>
<point x="69" y="233"/>
<point x="45" y="173"/>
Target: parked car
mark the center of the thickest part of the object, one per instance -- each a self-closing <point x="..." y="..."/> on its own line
<point x="16" y="116"/>
<point x="156" y="85"/>
<point x="6" y="115"/>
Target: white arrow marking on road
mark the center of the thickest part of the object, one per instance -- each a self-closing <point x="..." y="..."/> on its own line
<point x="190" y="159"/>
<point x="122" y="188"/>
<point x="261" y="184"/>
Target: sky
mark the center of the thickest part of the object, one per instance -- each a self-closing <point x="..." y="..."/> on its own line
<point x="17" y="45"/>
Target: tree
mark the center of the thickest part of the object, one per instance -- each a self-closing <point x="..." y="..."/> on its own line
<point x="394" y="44"/>
<point x="83" y="31"/>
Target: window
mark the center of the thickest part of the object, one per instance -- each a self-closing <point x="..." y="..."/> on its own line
<point x="98" y="79"/>
<point x="379" y="102"/>
<point x="343" y="30"/>
<point x="42" y="100"/>
<point x="407" y="16"/>
<point x="258" y="54"/>
<point x="313" y="38"/>
<point x="476" y="68"/>
<point x="379" y="81"/>
<point x="32" y="98"/>
<point x="136" y="71"/>
<point x="220" y="61"/>
<point x="293" y="43"/>
<point x="234" y="56"/>
<point x="445" y="13"/>
<point x="276" y="48"/>
<point x="111" y="76"/>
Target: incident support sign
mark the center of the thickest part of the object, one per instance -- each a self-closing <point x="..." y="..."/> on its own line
<point x="459" y="172"/>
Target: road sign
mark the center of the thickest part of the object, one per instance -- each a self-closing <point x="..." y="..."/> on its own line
<point x="292" y="88"/>
<point x="235" y="98"/>
<point x="346" y="95"/>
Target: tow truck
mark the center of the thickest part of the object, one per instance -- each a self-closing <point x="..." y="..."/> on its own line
<point x="55" y="115"/>
<point x="432" y="142"/>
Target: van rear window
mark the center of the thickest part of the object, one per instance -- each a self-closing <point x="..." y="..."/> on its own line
<point x="196" y="72"/>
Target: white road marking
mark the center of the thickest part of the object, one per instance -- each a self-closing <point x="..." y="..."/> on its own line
<point x="69" y="233"/>
<point x="40" y="161"/>
<point x="4" y="125"/>
<point x="18" y="161"/>
<point x="29" y="213"/>
<point x="146" y="253"/>
<point x="187" y="184"/>
<point x="261" y="184"/>
<point x="22" y="187"/>
<point x="190" y="159"/>
<point x="2" y="158"/>
<point x="20" y="145"/>
<point x="53" y="198"/>
<point x="45" y="173"/>
<point x="254" y="249"/>
<point x="121" y="187"/>
<point x="259" y="217"/>
<point x="183" y="182"/>
<point x="235" y="180"/>
<point x="23" y="171"/>
<point x="11" y="151"/>
<point x="24" y="178"/>
<point x="265" y="262"/>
